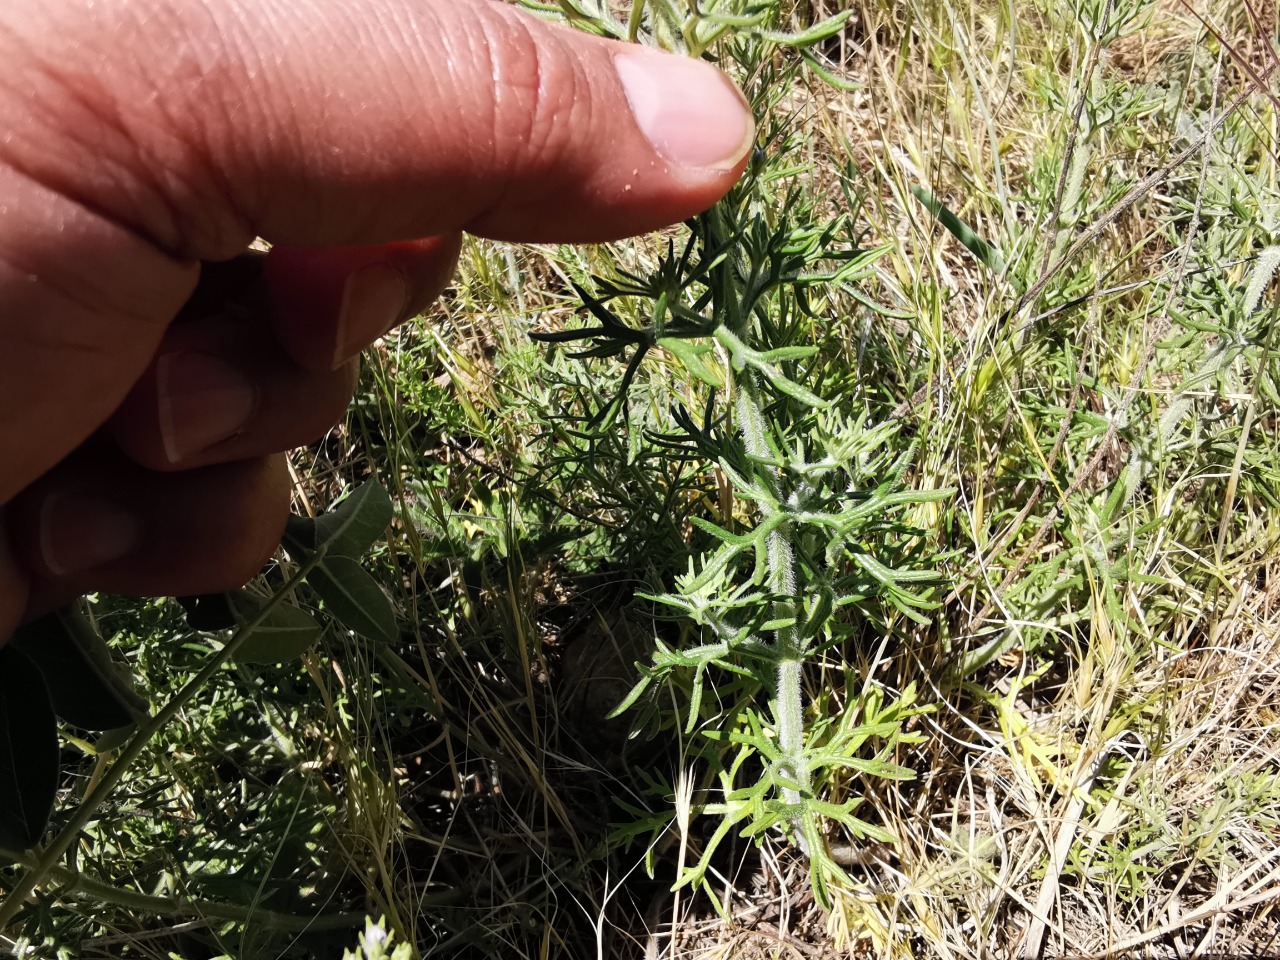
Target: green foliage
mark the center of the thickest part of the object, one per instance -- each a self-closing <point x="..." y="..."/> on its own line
<point x="62" y="662"/>
<point x="815" y="526"/>
<point x="335" y="541"/>
<point x="348" y="530"/>
<point x="87" y="685"/>
<point x="931" y="530"/>
<point x="283" y="633"/>
<point x="56" y="667"/>
<point x="691" y="29"/>
<point x="986" y="254"/>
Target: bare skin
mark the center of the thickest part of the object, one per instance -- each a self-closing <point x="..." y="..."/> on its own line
<point x="147" y="142"/>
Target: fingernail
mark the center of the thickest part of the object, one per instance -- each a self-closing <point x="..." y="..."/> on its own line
<point x="79" y="532"/>
<point x="691" y="112"/>
<point x="374" y="298"/>
<point x="203" y="399"/>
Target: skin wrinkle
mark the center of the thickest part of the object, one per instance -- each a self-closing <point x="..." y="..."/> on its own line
<point x="216" y="62"/>
<point x="331" y="164"/>
<point x="369" y="34"/>
<point x="532" y="94"/>
<point x="427" y="50"/>
<point x="130" y="159"/>
<point x="158" y="212"/>
<point x="261" y="56"/>
<point x="230" y="54"/>
<point x="226" y="188"/>
<point x="413" y="58"/>
<point x="86" y="289"/>
<point x="536" y="109"/>
<point x="71" y="107"/>
<point x="307" y="79"/>
<point x="80" y="121"/>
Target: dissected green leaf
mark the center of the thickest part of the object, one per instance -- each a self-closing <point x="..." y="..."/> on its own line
<point x="815" y="34"/>
<point x="827" y="75"/>
<point x="28" y="752"/>
<point x="286" y="633"/>
<point x="690" y="354"/>
<point x="785" y="353"/>
<point x="87" y="686"/>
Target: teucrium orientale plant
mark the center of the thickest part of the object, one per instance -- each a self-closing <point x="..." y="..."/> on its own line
<point x="816" y="533"/>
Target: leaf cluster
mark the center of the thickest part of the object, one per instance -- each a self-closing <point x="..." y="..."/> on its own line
<point x="816" y="533"/>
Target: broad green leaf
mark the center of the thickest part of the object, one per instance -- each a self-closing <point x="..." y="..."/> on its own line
<point x="349" y="529"/>
<point x="86" y="685"/>
<point x="349" y="592"/>
<point x="300" y="538"/>
<point x="352" y="595"/>
<point x="111" y="740"/>
<point x="28" y="752"/>
<point x="286" y="633"/>
<point x="357" y="523"/>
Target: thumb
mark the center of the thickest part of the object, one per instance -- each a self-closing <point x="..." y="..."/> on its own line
<point x="368" y="120"/>
<point x="145" y="135"/>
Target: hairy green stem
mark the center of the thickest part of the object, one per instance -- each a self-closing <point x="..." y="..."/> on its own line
<point x="789" y="697"/>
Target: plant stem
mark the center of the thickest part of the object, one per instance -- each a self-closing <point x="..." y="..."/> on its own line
<point x="44" y="862"/>
<point x="179" y="908"/>
<point x="789" y="697"/>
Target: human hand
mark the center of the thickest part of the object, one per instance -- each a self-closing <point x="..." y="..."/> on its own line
<point x="147" y="142"/>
